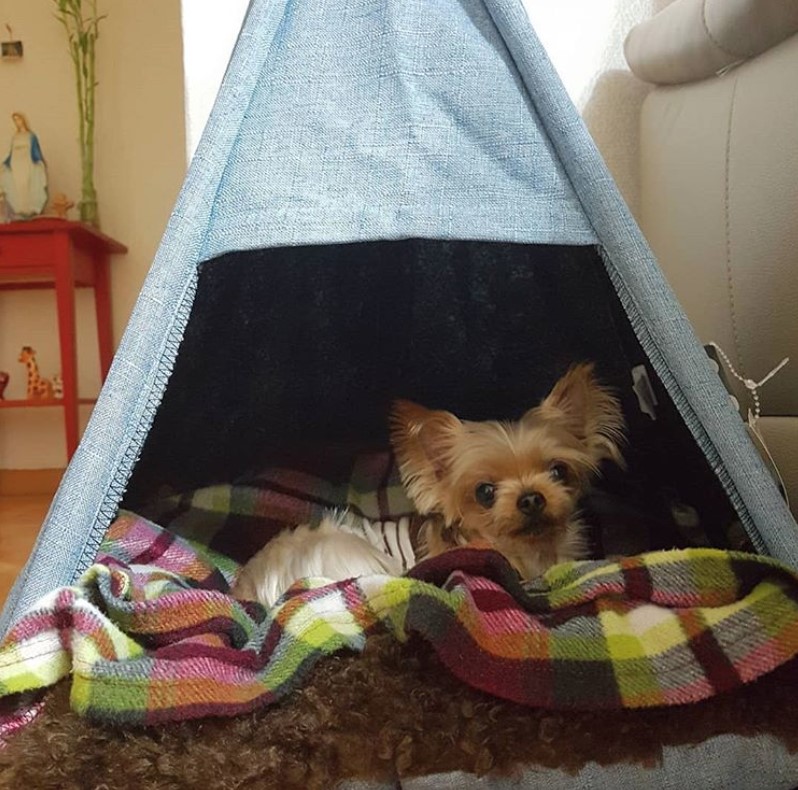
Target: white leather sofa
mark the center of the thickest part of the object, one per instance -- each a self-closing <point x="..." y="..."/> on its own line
<point x="719" y="186"/>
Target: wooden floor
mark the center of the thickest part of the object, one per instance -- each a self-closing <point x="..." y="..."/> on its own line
<point x="20" y="519"/>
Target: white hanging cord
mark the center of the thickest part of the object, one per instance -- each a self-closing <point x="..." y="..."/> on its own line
<point x="751" y="385"/>
<point x="753" y="416"/>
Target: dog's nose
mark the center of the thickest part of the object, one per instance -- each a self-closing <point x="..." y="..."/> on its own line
<point x="531" y="503"/>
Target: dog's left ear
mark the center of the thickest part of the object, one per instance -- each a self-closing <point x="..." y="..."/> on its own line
<point x="587" y="410"/>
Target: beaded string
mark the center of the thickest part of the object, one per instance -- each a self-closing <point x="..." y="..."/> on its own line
<point x="753" y="416"/>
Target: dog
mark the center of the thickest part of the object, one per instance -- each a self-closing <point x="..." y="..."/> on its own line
<point x="513" y="485"/>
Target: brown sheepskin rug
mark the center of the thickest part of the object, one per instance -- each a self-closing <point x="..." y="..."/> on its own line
<point x="393" y="712"/>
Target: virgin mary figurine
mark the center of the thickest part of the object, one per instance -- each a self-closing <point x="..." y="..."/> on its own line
<point x="23" y="176"/>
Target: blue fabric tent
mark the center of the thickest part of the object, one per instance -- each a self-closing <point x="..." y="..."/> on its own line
<point x="388" y="120"/>
<point x="344" y="124"/>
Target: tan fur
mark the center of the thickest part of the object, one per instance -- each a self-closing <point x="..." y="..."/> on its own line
<point x="443" y="460"/>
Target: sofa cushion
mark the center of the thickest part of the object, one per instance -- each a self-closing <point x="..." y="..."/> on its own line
<point x="719" y="187"/>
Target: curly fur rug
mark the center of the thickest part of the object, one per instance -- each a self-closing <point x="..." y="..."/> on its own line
<point x="392" y="712"/>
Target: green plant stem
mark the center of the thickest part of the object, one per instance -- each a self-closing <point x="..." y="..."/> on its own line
<point x="83" y="30"/>
<point x="80" y="92"/>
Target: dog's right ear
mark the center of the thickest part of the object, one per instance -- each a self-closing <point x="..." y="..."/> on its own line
<point x="423" y="442"/>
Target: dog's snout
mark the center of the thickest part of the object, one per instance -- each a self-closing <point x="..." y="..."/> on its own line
<point x="531" y="502"/>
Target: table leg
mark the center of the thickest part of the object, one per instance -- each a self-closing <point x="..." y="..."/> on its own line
<point x="102" y="306"/>
<point x="65" y="301"/>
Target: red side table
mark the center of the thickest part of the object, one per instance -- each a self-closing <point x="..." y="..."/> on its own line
<point x="57" y="253"/>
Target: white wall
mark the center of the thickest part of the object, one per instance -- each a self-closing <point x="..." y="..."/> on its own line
<point x="208" y="40"/>
<point x="584" y="39"/>
<point x="140" y="165"/>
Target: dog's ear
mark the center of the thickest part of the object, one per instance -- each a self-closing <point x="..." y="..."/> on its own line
<point x="423" y="440"/>
<point x="587" y="410"/>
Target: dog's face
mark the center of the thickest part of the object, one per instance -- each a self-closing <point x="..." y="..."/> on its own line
<point x="519" y="481"/>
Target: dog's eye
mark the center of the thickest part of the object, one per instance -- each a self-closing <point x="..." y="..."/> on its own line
<point x="558" y="471"/>
<point x="485" y="494"/>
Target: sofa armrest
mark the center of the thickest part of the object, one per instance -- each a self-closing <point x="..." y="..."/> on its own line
<point x="691" y="40"/>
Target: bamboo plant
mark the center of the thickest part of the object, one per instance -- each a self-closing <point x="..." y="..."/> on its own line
<point x="82" y="24"/>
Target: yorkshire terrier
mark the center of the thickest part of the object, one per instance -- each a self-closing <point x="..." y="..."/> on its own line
<point x="514" y="485"/>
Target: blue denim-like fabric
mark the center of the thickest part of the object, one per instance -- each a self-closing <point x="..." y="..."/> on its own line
<point x="377" y="119"/>
<point x="383" y="120"/>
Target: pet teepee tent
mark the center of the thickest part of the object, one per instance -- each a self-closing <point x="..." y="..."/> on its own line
<point x="373" y="165"/>
<point x="393" y="198"/>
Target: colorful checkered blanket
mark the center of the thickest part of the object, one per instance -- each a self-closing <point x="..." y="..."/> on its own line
<point x="149" y="634"/>
<point x="237" y="518"/>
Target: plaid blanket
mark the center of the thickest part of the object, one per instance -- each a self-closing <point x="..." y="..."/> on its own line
<point x="150" y="634"/>
<point x="238" y="518"/>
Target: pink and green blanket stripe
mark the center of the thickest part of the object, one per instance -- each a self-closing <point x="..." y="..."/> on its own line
<point x="150" y="633"/>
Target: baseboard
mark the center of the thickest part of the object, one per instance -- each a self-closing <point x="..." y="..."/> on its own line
<point x="19" y="482"/>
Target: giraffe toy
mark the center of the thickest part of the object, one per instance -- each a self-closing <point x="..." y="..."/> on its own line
<point x="39" y="388"/>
